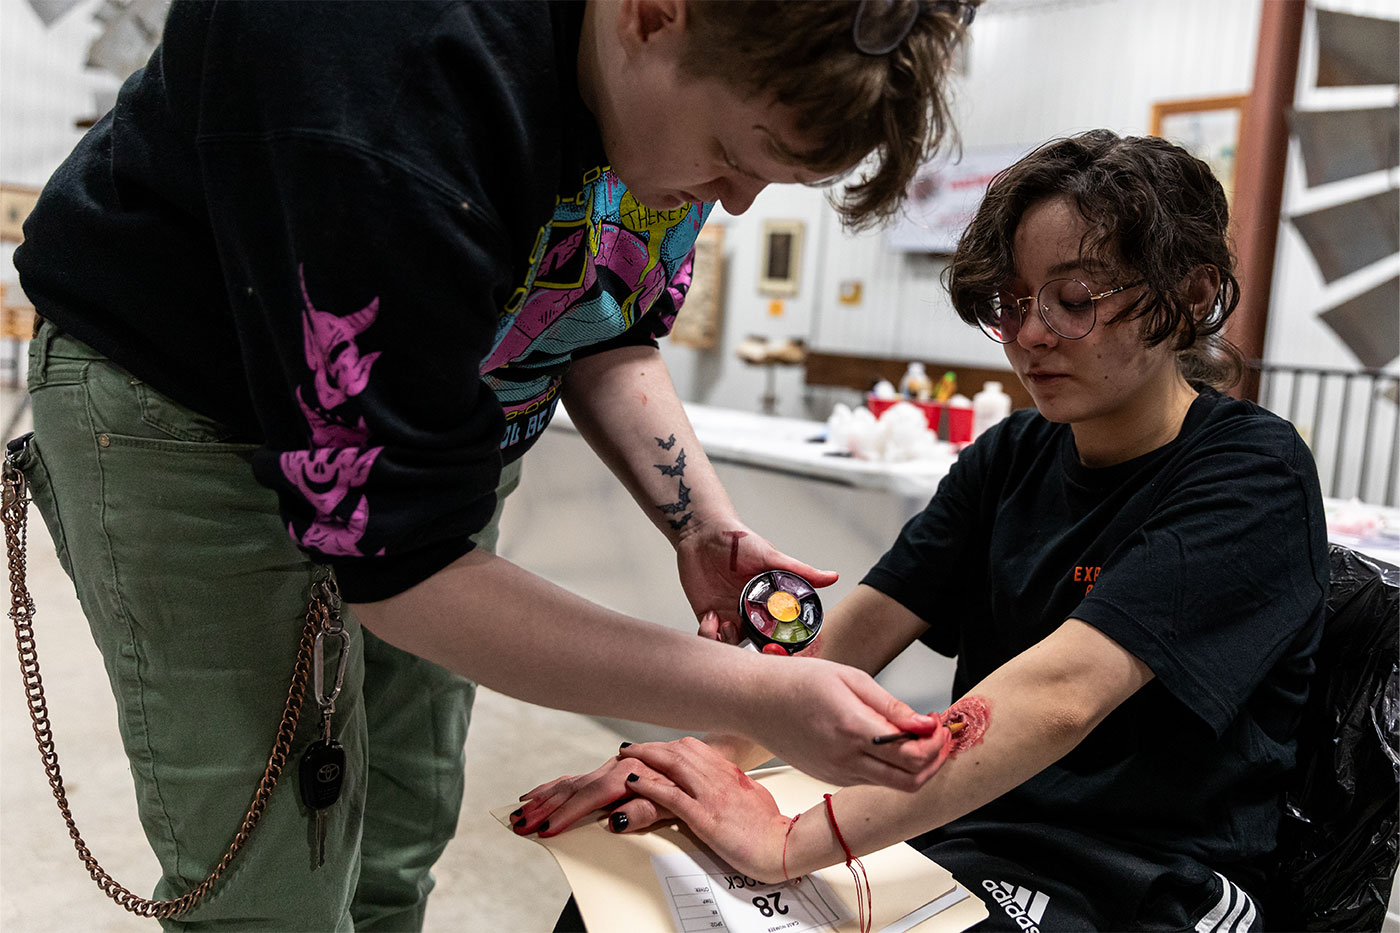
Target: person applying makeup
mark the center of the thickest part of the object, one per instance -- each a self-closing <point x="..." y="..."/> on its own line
<point x="1132" y="577"/>
<point x="312" y="291"/>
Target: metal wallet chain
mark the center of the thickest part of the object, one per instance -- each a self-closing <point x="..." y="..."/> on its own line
<point x="321" y="613"/>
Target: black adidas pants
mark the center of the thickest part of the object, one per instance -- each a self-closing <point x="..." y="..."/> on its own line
<point x="1093" y="892"/>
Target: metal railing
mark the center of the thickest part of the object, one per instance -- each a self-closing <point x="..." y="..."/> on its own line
<point x="1350" y="419"/>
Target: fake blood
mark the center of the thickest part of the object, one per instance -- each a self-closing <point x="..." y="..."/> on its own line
<point x="745" y="782"/>
<point x="734" y="537"/>
<point x="975" y="714"/>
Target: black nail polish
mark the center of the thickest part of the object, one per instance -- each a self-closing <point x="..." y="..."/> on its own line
<point x="518" y="812"/>
<point x="518" y="823"/>
<point x="633" y="778"/>
<point x="543" y="826"/>
<point x="618" y="821"/>
<point x="624" y="744"/>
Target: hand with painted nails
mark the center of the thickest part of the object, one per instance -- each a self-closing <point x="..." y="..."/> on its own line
<point x="715" y="561"/>
<point x="554" y="806"/>
<point x="734" y="814"/>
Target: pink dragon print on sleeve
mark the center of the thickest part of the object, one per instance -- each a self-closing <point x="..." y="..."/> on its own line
<point x="338" y="463"/>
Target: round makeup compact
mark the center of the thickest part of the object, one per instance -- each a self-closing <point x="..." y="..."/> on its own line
<point x="780" y="609"/>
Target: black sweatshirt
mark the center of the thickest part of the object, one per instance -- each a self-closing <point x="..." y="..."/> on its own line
<point x="367" y="236"/>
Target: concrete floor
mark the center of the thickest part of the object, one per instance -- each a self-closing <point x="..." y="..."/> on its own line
<point x="487" y="880"/>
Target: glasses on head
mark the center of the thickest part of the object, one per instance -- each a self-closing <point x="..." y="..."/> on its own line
<point x="1067" y="306"/>
<point x="881" y="25"/>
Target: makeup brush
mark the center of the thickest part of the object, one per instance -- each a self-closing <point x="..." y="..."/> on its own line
<point x="953" y="727"/>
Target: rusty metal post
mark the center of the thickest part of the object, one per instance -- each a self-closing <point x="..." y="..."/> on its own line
<point x="1260" y="165"/>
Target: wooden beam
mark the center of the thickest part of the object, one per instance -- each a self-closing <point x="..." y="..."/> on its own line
<point x="1262" y="159"/>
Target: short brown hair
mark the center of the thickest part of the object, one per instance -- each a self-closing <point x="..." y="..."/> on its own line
<point x="802" y="54"/>
<point x="1154" y="211"/>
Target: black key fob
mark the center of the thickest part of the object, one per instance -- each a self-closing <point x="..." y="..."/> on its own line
<point x="322" y="772"/>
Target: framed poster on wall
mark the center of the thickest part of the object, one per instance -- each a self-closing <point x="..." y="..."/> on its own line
<point x="16" y="201"/>
<point x="702" y="315"/>
<point x="780" y="270"/>
<point x="1208" y="128"/>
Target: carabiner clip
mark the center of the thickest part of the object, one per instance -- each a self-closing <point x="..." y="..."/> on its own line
<point x="318" y="673"/>
<point x="327" y="592"/>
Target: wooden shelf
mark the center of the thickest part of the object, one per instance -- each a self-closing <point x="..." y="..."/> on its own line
<point x="862" y="372"/>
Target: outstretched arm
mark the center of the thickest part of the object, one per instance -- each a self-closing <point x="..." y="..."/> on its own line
<point x="867" y="630"/>
<point x="1024" y="716"/>
<point x="504" y="627"/>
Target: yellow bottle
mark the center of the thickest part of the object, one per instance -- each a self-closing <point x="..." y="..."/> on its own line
<point x="946" y="386"/>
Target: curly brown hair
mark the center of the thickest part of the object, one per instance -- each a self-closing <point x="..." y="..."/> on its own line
<point x="1155" y="213"/>
<point x="802" y="54"/>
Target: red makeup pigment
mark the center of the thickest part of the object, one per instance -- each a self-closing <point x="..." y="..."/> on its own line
<point x="975" y="714"/>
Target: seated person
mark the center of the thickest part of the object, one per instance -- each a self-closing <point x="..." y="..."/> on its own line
<point x="1132" y="578"/>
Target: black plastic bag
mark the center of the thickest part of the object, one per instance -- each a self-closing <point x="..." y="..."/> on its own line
<point x="1338" y="843"/>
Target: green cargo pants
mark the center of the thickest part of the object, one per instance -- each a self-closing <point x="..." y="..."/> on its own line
<point x="196" y="596"/>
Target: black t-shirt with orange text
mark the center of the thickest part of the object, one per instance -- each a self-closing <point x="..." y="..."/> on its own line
<point x="1205" y="558"/>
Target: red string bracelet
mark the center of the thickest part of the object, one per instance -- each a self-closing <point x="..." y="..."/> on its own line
<point x="865" y="907"/>
<point x="785" y="842"/>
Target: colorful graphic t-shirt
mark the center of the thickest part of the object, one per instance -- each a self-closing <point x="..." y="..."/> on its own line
<point x="606" y="263"/>
<point x="368" y="237"/>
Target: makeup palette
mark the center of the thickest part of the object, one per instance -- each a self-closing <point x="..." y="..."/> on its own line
<point x="782" y="609"/>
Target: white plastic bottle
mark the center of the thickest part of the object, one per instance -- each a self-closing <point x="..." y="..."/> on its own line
<point x="916" y="383"/>
<point x="988" y="407"/>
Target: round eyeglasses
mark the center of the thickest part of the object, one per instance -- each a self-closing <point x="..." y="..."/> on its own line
<point x="1067" y="306"/>
<point x="881" y="25"/>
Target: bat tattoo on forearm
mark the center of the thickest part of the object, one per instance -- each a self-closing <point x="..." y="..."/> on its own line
<point x="677" y="470"/>
<point x="671" y="508"/>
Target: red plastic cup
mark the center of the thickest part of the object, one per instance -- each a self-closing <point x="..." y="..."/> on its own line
<point x="878" y="406"/>
<point x="933" y="414"/>
<point x="960" y="425"/>
<point x="933" y="411"/>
